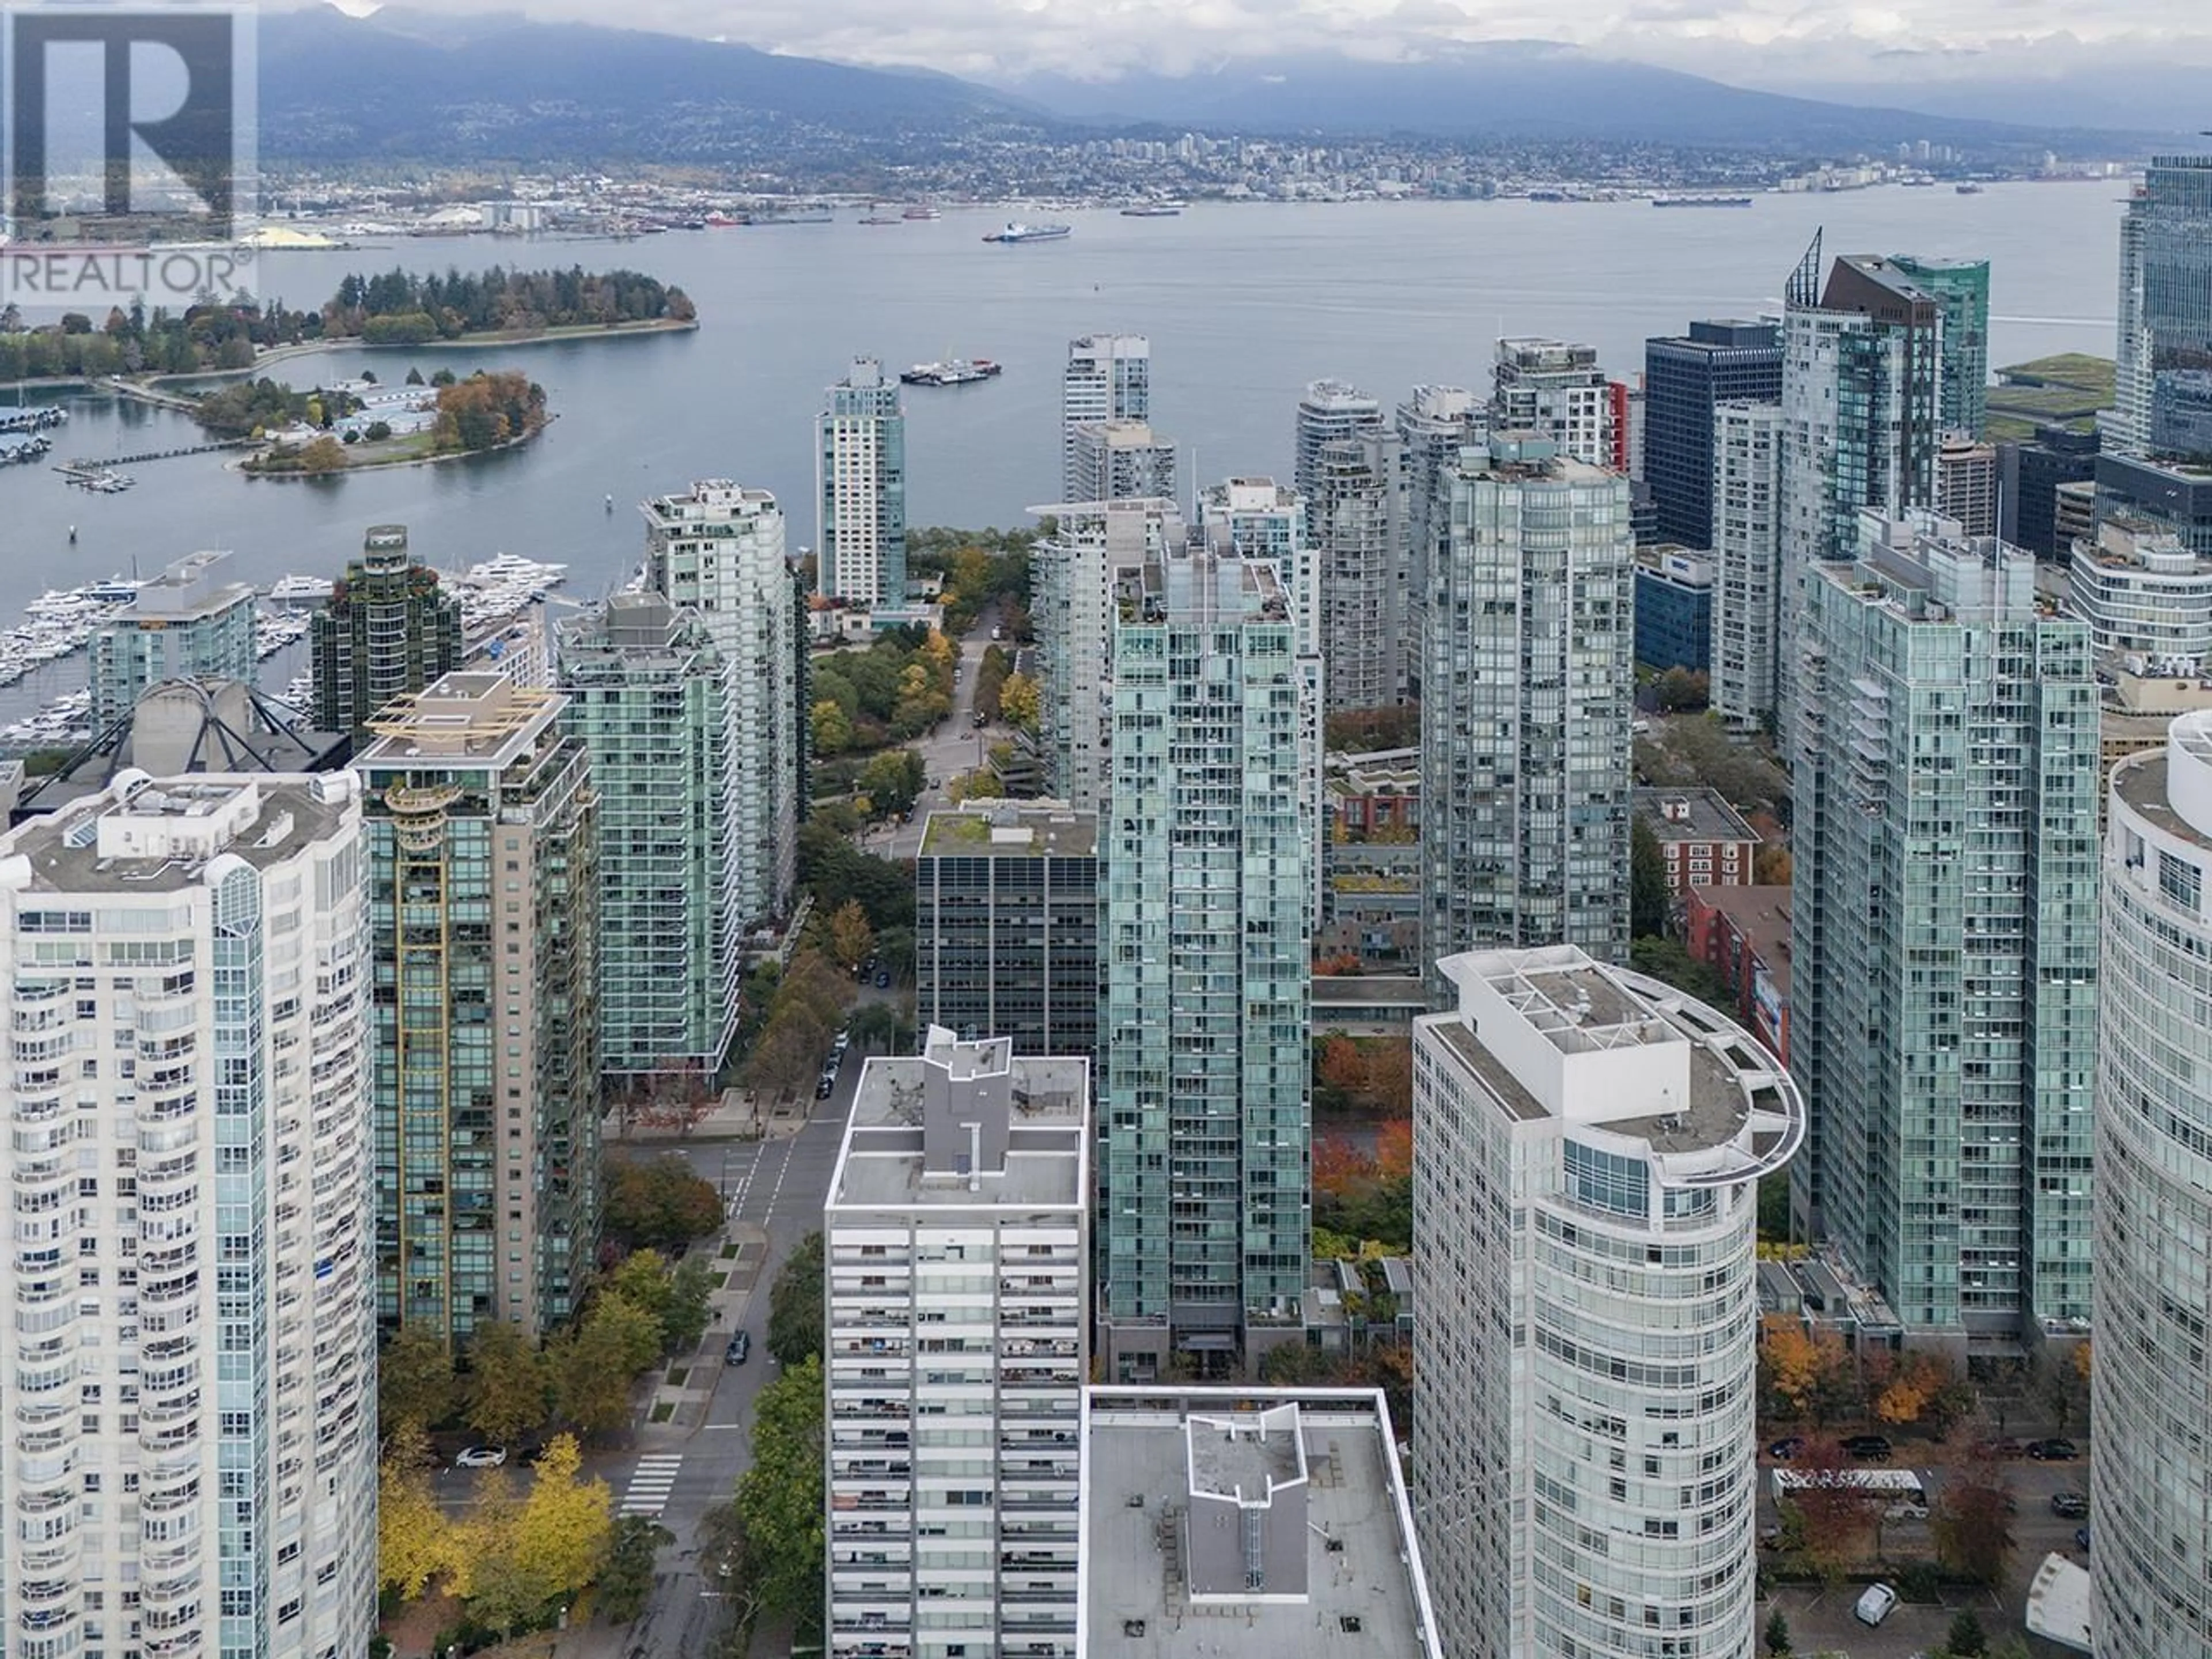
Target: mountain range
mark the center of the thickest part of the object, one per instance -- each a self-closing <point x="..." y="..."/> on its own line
<point x="458" y="88"/>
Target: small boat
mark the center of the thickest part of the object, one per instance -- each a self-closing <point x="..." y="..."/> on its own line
<point x="954" y="370"/>
<point x="1021" y="232"/>
<point x="1970" y="188"/>
<point x="883" y="219"/>
<point x="921" y="211"/>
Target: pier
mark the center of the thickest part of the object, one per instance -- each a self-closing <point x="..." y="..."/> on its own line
<point x="123" y="387"/>
<point x="109" y="463"/>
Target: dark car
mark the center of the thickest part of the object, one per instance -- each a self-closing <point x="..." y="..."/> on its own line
<point x="1786" y="1447"/>
<point x="2001" y="1448"/>
<point x="826" y="1087"/>
<point x="2068" y="1506"/>
<point x="883" y="980"/>
<point x="2081" y="1538"/>
<point x="2053" y="1451"/>
<point x="741" y="1346"/>
<point x="1868" y="1447"/>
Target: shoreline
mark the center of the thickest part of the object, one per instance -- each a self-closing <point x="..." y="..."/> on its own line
<point x="239" y="468"/>
<point x="501" y="338"/>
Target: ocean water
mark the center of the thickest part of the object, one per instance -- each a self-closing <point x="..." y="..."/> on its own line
<point x="1244" y="304"/>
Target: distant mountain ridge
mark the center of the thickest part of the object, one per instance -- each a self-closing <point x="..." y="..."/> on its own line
<point x="497" y="88"/>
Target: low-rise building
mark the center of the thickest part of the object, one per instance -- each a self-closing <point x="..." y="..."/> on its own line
<point x="1704" y="840"/>
<point x="1371" y="858"/>
<point x="2143" y="592"/>
<point x="1742" y="934"/>
<point x="1251" y="1521"/>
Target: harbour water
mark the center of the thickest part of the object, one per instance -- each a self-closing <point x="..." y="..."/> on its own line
<point x="1243" y="303"/>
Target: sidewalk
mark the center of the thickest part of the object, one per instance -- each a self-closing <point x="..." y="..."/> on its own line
<point x="675" y="1408"/>
<point x="738" y="1114"/>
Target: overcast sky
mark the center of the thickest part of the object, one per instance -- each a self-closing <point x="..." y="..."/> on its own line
<point x="1752" y="41"/>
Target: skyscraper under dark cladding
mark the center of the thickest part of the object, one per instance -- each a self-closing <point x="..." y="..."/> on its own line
<point x="1683" y="377"/>
<point x="390" y="629"/>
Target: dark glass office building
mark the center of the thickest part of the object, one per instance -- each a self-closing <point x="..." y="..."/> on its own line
<point x="1006" y="927"/>
<point x="2029" y="475"/>
<point x="1683" y="379"/>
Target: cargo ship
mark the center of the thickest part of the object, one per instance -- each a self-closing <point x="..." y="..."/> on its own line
<point x="1701" y="201"/>
<point x="1019" y="233"/>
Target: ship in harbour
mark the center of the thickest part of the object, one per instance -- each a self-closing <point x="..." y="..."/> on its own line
<point x="1020" y="232"/>
<point x="954" y="370"/>
<point x="1151" y="211"/>
<point x="1702" y="201"/>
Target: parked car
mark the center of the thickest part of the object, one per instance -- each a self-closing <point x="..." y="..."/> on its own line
<point x="1869" y="1448"/>
<point x="884" y="979"/>
<point x="2001" y="1447"/>
<point x="481" y="1457"/>
<point x="1875" y="1604"/>
<point x="741" y="1346"/>
<point x="997" y="633"/>
<point x="2053" y="1451"/>
<point x="826" y="1087"/>
<point x="1786" y="1447"/>
<point x="2070" y="1505"/>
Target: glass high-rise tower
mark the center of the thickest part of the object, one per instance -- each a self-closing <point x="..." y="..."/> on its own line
<point x="1207" y="844"/>
<point x="186" y="624"/>
<point x="1109" y="377"/>
<point x="1944" y="942"/>
<point x="1961" y="287"/>
<point x="2166" y="299"/>
<point x="1685" y="378"/>
<point x="1528" y="680"/>
<point x="390" y="629"/>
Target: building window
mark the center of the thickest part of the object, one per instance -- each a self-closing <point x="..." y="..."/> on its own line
<point x="1607" y="1181"/>
<point x="2180" y="881"/>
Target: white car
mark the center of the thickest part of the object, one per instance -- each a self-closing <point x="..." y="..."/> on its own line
<point x="1875" y="1604"/>
<point x="481" y="1457"/>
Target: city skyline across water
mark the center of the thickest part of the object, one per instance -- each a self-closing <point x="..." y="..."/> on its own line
<point x="1244" y="305"/>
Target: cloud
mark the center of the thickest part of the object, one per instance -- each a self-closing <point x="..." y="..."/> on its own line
<point x="1769" y="40"/>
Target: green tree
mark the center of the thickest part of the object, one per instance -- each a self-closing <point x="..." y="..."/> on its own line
<point x="626" y="1580"/>
<point x="1668" y="960"/>
<point x="691" y="1293"/>
<point x="1971" y="1525"/>
<point x="892" y="781"/>
<point x="794" y="1304"/>
<point x="780" y="1498"/>
<point x="1777" y="1634"/>
<point x="1649" y="897"/>
<point x="831" y="727"/>
<point x="414" y="1380"/>
<point x="1966" y="1639"/>
<point x="504" y="1393"/>
<point x="594" y="1365"/>
<point x="659" y="1203"/>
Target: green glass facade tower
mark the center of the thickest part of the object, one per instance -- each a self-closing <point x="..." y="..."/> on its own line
<point x="1961" y="288"/>
<point x="1207" y="840"/>
<point x="389" y="629"/>
<point x="1944" y="979"/>
<point x="649" y="697"/>
<point x="186" y="624"/>
<point x="483" y="900"/>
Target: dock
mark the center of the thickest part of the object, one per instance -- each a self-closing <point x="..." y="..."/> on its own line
<point x="108" y="463"/>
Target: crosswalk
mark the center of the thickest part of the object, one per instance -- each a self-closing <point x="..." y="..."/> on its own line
<point x="650" y="1483"/>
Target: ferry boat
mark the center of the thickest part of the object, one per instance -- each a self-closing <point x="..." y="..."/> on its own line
<point x="954" y="370"/>
<point x="1702" y="201"/>
<point x="1152" y="210"/>
<point x="922" y="210"/>
<point x="1021" y="232"/>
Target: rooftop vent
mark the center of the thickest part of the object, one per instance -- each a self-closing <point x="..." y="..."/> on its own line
<point x="1133" y="1628"/>
<point x="1348" y="1623"/>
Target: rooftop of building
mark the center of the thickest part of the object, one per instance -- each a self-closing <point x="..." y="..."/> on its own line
<point x="1761" y="915"/>
<point x="2162" y="793"/>
<point x="1335" y="395"/>
<point x="1699" y="814"/>
<point x="881" y="1164"/>
<point x="1553" y="1032"/>
<point x="192" y="586"/>
<point x="1010" y="829"/>
<point x="2124" y="543"/>
<point x="712" y="501"/>
<point x="143" y="836"/>
<point x="1148" y="1451"/>
<point x="191" y="726"/>
<point x="475" y="718"/>
<point x="1520" y="456"/>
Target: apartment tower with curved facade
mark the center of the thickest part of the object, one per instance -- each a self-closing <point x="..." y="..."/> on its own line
<point x="1588" y="1146"/>
<point x="190" y="1358"/>
<point x="2153" y="1243"/>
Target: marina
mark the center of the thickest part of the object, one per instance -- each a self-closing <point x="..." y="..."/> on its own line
<point x="35" y="418"/>
<point x="62" y="622"/>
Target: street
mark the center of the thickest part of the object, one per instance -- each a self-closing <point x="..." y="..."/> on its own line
<point x="774" y="1189"/>
<point x="957" y="746"/>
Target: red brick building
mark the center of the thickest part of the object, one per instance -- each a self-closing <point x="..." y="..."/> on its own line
<point x="1704" y="840"/>
<point x="1742" y="934"/>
